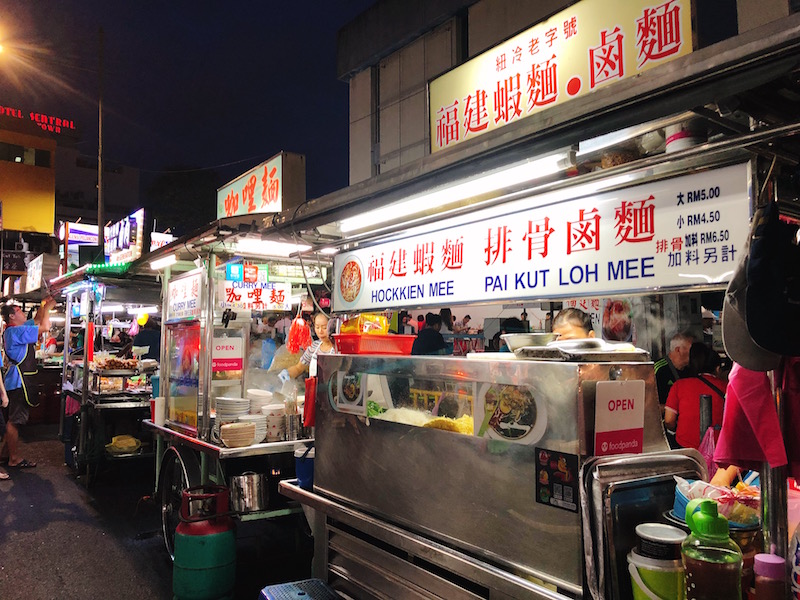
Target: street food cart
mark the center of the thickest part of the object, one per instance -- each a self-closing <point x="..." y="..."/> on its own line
<point x="103" y="395"/>
<point x="403" y="509"/>
<point x="214" y="283"/>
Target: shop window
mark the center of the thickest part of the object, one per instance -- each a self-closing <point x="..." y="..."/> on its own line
<point x="42" y="158"/>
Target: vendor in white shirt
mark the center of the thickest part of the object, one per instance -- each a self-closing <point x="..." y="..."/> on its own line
<point x="308" y="362"/>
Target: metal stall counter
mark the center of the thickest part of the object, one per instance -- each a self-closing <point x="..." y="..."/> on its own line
<point x="225" y="418"/>
<point x="105" y="396"/>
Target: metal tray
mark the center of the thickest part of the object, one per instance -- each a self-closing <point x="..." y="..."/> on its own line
<point x="587" y="355"/>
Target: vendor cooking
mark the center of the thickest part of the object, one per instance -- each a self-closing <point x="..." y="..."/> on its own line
<point x="308" y="362"/>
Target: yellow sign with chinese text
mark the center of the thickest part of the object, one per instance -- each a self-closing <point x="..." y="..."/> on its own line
<point x="585" y="47"/>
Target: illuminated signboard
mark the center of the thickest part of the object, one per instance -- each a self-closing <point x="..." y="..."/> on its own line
<point x="672" y="233"/>
<point x="124" y="239"/>
<point x="75" y="235"/>
<point x="585" y="47"/>
<point x="271" y="187"/>
<point x="47" y="123"/>
<point x="157" y="240"/>
<point x="33" y="281"/>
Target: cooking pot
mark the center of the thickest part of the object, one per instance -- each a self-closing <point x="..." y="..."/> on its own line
<point x="249" y="492"/>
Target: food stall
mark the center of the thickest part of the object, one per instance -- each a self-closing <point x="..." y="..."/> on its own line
<point x="591" y="204"/>
<point x="102" y="406"/>
<point x="218" y="286"/>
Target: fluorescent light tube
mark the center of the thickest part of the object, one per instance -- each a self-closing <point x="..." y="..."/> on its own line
<point x="268" y="247"/>
<point x="112" y="308"/>
<point x="165" y="261"/>
<point x="143" y="310"/>
<point x="503" y="178"/>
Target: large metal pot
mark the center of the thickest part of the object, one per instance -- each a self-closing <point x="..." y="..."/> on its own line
<point x="249" y="492"/>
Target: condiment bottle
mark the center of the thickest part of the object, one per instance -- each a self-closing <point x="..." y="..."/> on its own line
<point x="712" y="560"/>
<point x="770" y="577"/>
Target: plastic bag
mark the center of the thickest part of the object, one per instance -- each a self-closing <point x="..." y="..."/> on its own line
<point x="741" y="508"/>
<point x="707" y="446"/>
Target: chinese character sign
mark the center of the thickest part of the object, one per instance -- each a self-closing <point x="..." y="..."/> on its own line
<point x="587" y="46"/>
<point x="255" y="295"/>
<point x="260" y="190"/>
<point x="672" y="233"/>
<point x="183" y="297"/>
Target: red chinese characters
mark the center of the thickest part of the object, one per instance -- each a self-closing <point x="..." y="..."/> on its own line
<point x="270" y="186"/>
<point x="498" y="244"/>
<point x="606" y="60"/>
<point x="447" y="125"/>
<point x="507" y="99"/>
<point x="397" y="264"/>
<point x="584" y="234"/>
<point x="635" y="221"/>
<point x="476" y="117"/>
<point x="254" y="296"/>
<point x="570" y="27"/>
<point x="231" y="295"/>
<point x="542" y="83"/>
<point x="538" y="234"/>
<point x="231" y="204"/>
<point x="249" y="194"/>
<point x="277" y="297"/>
<point x="453" y="254"/>
<point x="423" y="258"/>
<point x="375" y="270"/>
<point x="658" y="32"/>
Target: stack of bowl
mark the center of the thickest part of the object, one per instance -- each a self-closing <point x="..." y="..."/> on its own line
<point x="230" y="409"/>
<point x="258" y="398"/>
<point x="237" y="435"/>
<point x="275" y="416"/>
<point x="260" y="422"/>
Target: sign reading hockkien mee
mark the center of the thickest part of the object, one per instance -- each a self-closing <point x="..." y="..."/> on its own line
<point x="672" y="233"/>
<point x="585" y="47"/>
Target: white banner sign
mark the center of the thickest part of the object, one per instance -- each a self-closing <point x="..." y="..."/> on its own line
<point x="669" y="233"/>
<point x="34" y="278"/>
<point x="258" y="295"/>
<point x="184" y="297"/>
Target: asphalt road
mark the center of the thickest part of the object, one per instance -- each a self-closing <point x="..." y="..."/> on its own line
<point x="62" y="540"/>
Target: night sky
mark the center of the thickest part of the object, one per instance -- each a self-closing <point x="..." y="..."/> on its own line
<point x="187" y="83"/>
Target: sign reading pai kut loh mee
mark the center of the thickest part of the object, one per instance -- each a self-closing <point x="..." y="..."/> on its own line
<point x="576" y="51"/>
<point x="678" y="232"/>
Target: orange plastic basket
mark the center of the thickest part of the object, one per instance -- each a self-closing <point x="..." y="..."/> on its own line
<point x="357" y="343"/>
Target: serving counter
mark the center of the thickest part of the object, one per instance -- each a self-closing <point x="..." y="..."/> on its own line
<point x="501" y="501"/>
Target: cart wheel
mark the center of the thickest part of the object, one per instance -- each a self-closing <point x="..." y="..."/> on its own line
<point x="180" y="470"/>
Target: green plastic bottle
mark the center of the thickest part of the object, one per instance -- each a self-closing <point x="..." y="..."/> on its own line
<point x="712" y="560"/>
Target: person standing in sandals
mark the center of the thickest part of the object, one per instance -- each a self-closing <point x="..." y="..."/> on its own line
<point x="19" y="343"/>
<point x="3" y="404"/>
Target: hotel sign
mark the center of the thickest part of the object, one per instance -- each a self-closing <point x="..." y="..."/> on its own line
<point x="585" y="47"/>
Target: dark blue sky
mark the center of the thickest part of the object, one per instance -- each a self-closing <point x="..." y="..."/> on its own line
<point x="191" y="83"/>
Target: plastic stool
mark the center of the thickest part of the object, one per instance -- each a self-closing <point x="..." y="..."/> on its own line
<point x="307" y="589"/>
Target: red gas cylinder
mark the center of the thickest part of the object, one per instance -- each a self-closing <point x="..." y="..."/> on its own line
<point x="205" y="546"/>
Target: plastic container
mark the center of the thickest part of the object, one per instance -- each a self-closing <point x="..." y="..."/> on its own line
<point x="653" y="578"/>
<point x="353" y="343"/>
<point x="770" y="577"/>
<point x="304" y="467"/>
<point x="712" y="560"/>
<point x="659" y="541"/>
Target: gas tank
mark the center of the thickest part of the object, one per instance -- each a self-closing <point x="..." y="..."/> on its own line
<point x="205" y="546"/>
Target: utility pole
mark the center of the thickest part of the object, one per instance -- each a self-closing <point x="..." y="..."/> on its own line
<point x="101" y="213"/>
